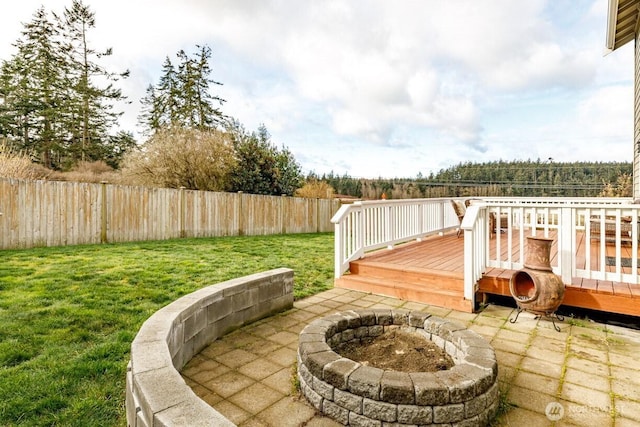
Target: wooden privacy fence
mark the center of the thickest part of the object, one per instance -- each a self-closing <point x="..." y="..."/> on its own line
<point x="50" y="213"/>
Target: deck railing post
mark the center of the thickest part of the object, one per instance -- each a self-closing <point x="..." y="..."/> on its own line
<point x="360" y="230"/>
<point x="390" y="226"/>
<point x="566" y="241"/>
<point x="472" y="252"/>
<point x="420" y="220"/>
<point x="469" y="282"/>
<point x="338" y="249"/>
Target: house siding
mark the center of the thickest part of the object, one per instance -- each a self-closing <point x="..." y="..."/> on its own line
<point x="636" y="120"/>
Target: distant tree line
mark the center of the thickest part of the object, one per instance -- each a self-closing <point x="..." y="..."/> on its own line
<point x="58" y="107"/>
<point x="529" y="178"/>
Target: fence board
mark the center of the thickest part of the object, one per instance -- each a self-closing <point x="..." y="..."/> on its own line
<point x="209" y="214"/>
<point x="50" y="213"/>
<point x="38" y="213"/>
<point x="327" y="210"/>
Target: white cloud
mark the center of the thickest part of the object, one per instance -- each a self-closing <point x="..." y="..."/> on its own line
<point x="605" y="116"/>
<point x="422" y="88"/>
<point x="376" y="85"/>
<point x="374" y="64"/>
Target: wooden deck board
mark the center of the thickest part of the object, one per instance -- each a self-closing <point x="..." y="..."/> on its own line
<point x="413" y="265"/>
<point x="436" y="252"/>
<point x="588" y="285"/>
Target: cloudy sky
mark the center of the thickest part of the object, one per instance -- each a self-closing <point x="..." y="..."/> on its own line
<point x="387" y="88"/>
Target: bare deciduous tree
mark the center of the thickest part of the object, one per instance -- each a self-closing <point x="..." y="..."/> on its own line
<point x="315" y="189"/>
<point x="179" y="157"/>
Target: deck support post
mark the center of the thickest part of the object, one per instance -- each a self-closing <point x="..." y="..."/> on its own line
<point x="469" y="283"/>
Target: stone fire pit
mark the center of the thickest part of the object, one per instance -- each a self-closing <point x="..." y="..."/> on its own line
<point x="358" y="395"/>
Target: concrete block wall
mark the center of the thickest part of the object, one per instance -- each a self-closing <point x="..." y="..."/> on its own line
<point x="156" y="394"/>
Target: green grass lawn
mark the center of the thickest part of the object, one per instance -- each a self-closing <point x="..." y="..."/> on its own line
<point x="68" y="314"/>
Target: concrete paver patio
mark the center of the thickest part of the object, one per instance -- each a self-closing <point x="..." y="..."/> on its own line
<point x="590" y="370"/>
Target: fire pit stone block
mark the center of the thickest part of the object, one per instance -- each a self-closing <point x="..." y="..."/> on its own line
<point x="354" y="394"/>
<point x="396" y="387"/>
<point x="337" y="373"/>
<point x="365" y="381"/>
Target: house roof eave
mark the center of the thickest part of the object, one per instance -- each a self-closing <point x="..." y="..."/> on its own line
<point x="611" y="25"/>
<point x="622" y="23"/>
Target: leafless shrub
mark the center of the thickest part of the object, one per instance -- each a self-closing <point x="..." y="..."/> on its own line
<point x="97" y="171"/>
<point x="316" y="190"/>
<point x="198" y="160"/>
<point x="15" y="164"/>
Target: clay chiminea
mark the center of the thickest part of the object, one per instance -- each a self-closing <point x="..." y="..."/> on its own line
<point x="536" y="288"/>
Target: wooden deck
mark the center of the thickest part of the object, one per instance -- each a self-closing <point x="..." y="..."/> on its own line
<point x="431" y="271"/>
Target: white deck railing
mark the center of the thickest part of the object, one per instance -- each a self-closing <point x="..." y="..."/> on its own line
<point x="365" y="226"/>
<point x="606" y="226"/>
<point x="609" y="227"/>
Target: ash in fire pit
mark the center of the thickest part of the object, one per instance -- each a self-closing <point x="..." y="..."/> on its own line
<point x="353" y="393"/>
<point x="397" y="350"/>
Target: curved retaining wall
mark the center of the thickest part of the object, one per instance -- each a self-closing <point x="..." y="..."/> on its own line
<point x="156" y="394"/>
<point x="358" y="395"/>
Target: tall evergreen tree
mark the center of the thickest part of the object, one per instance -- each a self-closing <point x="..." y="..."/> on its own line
<point x="92" y="106"/>
<point x="151" y="111"/>
<point x="198" y="106"/>
<point x="115" y="148"/>
<point x="50" y="104"/>
<point x="34" y="88"/>
<point x="8" y="121"/>
<point x="161" y="105"/>
<point x="182" y="97"/>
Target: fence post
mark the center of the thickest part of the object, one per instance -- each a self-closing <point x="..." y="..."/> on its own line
<point x="317" y="215"/>
<point x="103" y="212"/>
<point x="240" y="222"/>
<point x="283" y="215"/>
<point x="181" y="215"/>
